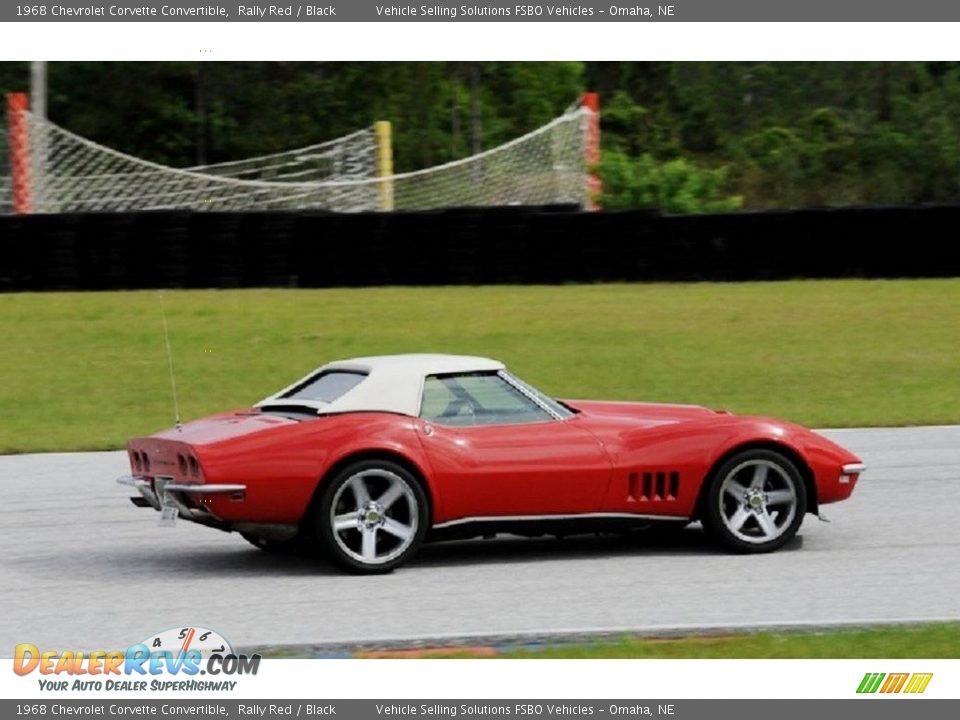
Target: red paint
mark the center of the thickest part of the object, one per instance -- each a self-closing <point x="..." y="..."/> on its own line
<point x="595" y="461"/>
<point x="19" y="134"/>
<point x="591" y="154"/>
<point x="537" y="468"/>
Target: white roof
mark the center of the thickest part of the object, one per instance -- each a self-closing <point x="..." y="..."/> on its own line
<point x="394" y="383"/>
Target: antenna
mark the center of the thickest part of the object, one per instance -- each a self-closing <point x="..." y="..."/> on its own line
<point x="173" y="382"/>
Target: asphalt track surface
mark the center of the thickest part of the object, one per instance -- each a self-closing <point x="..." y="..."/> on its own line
<point x="83" y="568"/>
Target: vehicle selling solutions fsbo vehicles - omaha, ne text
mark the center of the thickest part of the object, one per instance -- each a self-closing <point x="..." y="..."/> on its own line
<point x="366" y="459"/>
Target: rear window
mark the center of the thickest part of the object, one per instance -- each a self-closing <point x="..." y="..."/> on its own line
<point x="326" y="386"/>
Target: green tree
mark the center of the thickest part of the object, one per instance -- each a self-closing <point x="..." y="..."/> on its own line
<point x="773" y="134"/>
<point x="674" y="186"/>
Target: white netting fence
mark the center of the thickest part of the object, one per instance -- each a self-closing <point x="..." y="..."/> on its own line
<point x="351" y="157"/>
<point x="543" y="167"/>
<point x="72" y="174"/>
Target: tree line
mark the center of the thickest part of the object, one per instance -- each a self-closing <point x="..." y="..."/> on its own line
<point x="681" y="136"/>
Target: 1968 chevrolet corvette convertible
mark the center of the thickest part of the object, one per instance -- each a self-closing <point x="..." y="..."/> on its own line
<point x="366" y="459"/>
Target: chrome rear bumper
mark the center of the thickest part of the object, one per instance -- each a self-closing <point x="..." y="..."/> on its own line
<point x="143" y="486"/>
<point x="171" y="493"/>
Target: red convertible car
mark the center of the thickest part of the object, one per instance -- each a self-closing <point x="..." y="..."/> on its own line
<point x="366" y="459"/>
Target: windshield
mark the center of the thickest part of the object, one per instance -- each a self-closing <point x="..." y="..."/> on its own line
<point x="561" y="411"/>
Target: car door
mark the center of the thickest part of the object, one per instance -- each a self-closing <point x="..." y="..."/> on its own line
<point x="495" y="451"/>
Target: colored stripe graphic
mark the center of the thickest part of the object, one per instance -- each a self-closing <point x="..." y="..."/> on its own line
<point x="918" y="683"/>
<point x="894" y="682"/>
<point x="870" y="682"/>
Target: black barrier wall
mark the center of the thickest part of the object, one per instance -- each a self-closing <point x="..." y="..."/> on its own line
<point x="469" y="246"/>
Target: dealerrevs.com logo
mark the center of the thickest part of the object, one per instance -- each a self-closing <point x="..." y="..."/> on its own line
<point x="894" y="683"/>
<point x="171" y="660"/>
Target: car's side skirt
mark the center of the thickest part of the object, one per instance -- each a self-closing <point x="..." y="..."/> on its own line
<point x="535" y="525"/>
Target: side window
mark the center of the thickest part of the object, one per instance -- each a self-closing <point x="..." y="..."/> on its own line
<point x="477" y="399"/>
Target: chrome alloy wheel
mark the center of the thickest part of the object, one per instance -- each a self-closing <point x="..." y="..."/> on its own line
<point x="374" y="516"/>
<point x="758" y="501"/>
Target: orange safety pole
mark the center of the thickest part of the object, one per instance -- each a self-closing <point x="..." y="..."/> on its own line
<point x="19" y="134"/>
<point x="591" y="101"/>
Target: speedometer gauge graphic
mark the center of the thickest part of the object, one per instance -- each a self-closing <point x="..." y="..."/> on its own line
<point x="184" y="639"/>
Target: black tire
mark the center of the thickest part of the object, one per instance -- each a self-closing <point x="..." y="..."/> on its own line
<point x="274" y="547"/>
<point x="755" y="502"/>
<point x="378" y="526"/>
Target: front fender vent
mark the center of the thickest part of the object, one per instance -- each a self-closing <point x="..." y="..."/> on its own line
<point x="653" y="486"/>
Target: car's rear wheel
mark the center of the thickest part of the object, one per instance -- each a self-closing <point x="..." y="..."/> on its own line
<point x="372" y="517"/>
<point x="755" y="502"/>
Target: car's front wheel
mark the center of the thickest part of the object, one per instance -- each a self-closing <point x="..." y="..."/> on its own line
<point x="372" y="516"/>
<point x="755" y="502"/>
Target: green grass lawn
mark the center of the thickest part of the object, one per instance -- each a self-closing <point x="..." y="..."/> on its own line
<point x="931" y="641"/>
<point x="89" y="370"/>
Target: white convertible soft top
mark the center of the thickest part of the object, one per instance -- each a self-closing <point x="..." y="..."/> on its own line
<point x="394" y="383"/>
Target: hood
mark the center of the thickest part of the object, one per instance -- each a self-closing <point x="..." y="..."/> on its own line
<point x="648" y="414"/>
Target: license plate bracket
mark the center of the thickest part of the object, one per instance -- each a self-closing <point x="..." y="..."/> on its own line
<point x="168" y="516"/>
<point x="168" y="508"/>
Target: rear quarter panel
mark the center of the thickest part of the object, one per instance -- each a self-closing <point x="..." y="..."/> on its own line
<point x="283" y="467"/>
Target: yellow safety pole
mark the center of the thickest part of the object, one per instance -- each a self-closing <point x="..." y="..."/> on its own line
<point x="384" y="134"/>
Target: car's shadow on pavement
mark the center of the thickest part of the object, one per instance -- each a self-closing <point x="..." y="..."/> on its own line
<point x="652" y="542"/>
<point x="511" y="549"/>
<point x="224" y="561"/>
<point x="210" y="563"/>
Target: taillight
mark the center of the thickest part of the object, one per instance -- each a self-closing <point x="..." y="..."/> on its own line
<point x="194" y="467"/>
<point x="182" y="461"/>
